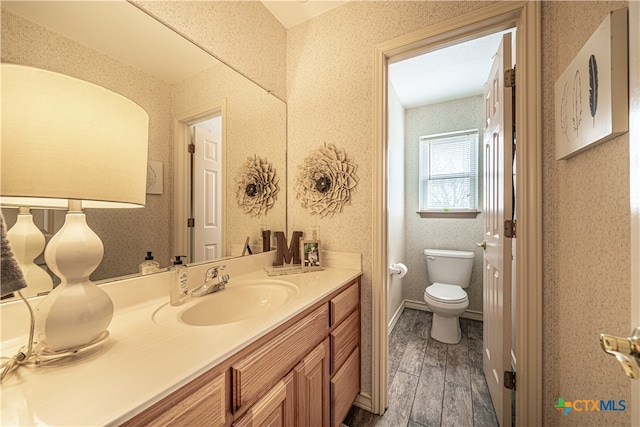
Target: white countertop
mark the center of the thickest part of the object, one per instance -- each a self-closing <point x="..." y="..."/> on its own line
<point x="145" y="360"/>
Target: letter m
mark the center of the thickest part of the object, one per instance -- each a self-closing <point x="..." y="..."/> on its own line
<point x="607" y="405"/>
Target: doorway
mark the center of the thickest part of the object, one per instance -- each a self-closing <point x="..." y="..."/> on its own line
<point x="197" y="204"/>
<point x="526" y="18"/>
<point x="439" y="107"/>
<point x="206" y="229"/>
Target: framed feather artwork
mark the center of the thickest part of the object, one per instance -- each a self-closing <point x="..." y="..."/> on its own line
<point x="592" y="94"/>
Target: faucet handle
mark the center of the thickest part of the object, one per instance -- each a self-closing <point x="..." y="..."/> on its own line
<point x="212" y="273"/>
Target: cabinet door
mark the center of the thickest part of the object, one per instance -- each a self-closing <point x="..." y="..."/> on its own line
<point x="253" y="375"/>
<point x="345" y="385"/>
<point x="312" y="388"/>
<point x="274" y="409"/>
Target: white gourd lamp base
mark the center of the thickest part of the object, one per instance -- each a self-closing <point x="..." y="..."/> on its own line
<point x="77" y="312"/>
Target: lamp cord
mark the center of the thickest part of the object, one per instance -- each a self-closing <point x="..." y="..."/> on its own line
<point x="21" y="357"/>
<point x="42" y="356"/>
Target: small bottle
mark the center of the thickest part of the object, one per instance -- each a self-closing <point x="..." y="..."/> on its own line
<point x="149" y="265"/>
<point x="178" y="291"/>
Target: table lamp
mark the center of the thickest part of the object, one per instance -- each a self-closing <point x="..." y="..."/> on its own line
<point x="68" y="142"/>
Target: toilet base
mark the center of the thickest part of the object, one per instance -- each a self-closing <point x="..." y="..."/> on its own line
<point x="446" y="329"/>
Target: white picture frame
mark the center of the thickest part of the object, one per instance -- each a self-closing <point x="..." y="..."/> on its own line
<point x="592" y="94"/>
<point x="310" y="254"/>
<point x="154" y="177"/>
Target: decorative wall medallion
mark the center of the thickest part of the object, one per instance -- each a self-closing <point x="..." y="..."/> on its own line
<point x="257" y="186"/>
<point x="326" y="180"/>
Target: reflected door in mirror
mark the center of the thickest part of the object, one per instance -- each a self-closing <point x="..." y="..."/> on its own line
<point x="207" y="189"/>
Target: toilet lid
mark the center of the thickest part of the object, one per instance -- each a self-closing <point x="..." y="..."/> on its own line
<point x="446" y="293"/>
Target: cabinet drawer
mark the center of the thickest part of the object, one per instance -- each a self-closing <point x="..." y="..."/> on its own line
<point x="344" y="338"/>
<point x="255" y="374"/>
<point x="343" y="304"/>
<point x="345" y="385"/>
<point x="202" y="402"/>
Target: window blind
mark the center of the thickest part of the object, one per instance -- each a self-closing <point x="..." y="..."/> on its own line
<point x="449" y="171"/>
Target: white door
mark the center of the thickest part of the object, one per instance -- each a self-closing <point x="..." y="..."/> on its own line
<point x="207" y="192"/>
<point x="497" y="253"/>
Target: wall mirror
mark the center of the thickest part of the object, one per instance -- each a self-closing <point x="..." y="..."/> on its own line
<point x="187" y="93"/>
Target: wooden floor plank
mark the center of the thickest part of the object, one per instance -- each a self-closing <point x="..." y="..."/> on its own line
<point x="431" y="383"/>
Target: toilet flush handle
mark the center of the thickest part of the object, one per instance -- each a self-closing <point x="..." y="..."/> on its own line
<point x="482" y="245"/>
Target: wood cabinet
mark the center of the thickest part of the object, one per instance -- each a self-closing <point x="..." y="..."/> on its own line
<point x="345" y="385"/>
<point x="345" y="352"/>
<point x="202" y="402"/>
<point x="304" y="373"/>
<point x="276" y="408"/>
<point x="312" y="391"/>
<point x="254" y="374"/>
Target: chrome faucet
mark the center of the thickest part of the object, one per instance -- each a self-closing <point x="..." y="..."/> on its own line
<point x="210" y="285"/>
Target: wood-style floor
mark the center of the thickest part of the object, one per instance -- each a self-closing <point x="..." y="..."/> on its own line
<point x="431" y="383"/>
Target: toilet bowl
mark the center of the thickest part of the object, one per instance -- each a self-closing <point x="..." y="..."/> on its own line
<point x="449" y="272"/>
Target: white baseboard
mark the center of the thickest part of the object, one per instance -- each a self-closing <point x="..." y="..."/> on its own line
<point x="396" y="316"/>
<point x="363" y="401"/>
<point x="421" y="305"/>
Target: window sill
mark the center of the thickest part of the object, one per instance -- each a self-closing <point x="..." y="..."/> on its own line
<point x="449" y="214"/>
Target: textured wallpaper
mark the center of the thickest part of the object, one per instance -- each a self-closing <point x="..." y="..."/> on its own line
<point x="396" y="204"/>
<point x="328" y="79"/>
<point x="330" y="100"/>
<point x="256" y="125"/>
<point x="243" y="34"/>
<point x="586" y="206"/>
<point x="586" y="248"/>
<point x="441" y="233"/>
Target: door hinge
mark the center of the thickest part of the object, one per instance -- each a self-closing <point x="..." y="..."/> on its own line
<point x="510" y="78"/>
<point x="191" y="222"/>
<point x="510" y="228"/>
<point x="191" y="148"/>
<point x="510" y="380"/>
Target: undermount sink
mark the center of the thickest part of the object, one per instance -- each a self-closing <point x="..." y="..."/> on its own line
<point x="239" y="301"/>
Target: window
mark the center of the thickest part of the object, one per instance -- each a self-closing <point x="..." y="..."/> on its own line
<point x="449" y="172"/>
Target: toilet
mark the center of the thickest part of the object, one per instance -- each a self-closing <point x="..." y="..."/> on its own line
<point x="449" y="273"/>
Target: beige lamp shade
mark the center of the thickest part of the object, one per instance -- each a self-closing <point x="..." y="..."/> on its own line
<point x="68" y="139"/>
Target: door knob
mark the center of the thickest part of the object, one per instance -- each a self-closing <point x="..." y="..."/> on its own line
<point x="625" y="350"/>
<point x="482" y="245"/>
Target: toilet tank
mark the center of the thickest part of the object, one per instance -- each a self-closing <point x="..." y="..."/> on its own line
<point x="449" y="267"/>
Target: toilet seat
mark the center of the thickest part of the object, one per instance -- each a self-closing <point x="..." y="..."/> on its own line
<point x="449" y="294"/>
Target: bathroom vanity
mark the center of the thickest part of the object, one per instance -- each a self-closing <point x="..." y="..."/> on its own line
<point x="304" y="373"/>
<point x="297" y="365"/>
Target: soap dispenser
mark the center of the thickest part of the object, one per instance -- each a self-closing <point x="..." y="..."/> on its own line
<point x="179" y="291"/>
<point x="149" y="266"/>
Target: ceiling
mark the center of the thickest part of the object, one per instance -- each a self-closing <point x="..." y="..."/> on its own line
<point x="452" y="73"/>
<point x="293" y="12"/>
